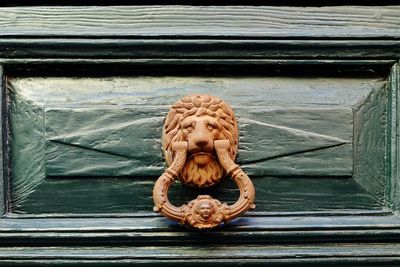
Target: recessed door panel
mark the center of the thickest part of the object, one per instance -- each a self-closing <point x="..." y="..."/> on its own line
<point x="92" y="145"/>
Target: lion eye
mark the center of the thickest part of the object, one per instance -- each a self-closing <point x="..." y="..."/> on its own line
<point x="189" y="129"/>
<point x="210" y="127"/>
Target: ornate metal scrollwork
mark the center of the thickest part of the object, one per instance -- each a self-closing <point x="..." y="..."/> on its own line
<point x="200" y="140"/>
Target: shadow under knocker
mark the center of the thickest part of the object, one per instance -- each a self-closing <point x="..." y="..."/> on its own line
<point x="200" y="141"/>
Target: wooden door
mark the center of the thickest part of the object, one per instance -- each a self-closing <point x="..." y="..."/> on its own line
<point x="85" y="91"/>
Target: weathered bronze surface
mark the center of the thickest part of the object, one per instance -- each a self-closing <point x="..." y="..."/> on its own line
<point x="200" y="140"/>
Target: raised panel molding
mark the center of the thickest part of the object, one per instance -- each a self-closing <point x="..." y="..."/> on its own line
<point x="92" y="133"/>
<point x="125" y="144"/>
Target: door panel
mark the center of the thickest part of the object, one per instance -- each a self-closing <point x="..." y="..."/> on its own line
<point x="94" y="144"/>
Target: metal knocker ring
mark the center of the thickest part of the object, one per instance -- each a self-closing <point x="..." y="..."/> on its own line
<point x="200" y="141"/>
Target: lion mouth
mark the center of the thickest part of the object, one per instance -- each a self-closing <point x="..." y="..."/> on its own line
<point x="202" y="158"/>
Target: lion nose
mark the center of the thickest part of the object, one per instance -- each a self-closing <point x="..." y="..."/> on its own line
<point x="201" y="141"/>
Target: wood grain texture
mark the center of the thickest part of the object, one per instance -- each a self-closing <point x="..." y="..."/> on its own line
<point x="244" y="21"/>
<point x="114" y="142"/>
<point x="370" y="118"/>
<point x="113" y="131"/>
<point x="93" y="135"/>
<point x="368" y="220"/>
<point x="239" y="90"/>
<point x="197" y="2"/>
<point x="195" y="255"/>
<point x="247" y="230"/>
<point x="28" y="171"/>
<point x="133" y="195"/>
<point x="393" y="154"/>
<point x="3" y="165"/>
<point x="299" y="221"/>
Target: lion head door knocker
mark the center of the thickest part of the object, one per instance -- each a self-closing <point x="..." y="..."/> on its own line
<point x="200" y="141"/>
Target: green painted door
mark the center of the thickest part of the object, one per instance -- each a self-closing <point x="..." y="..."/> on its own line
<point x="85" y="91"/>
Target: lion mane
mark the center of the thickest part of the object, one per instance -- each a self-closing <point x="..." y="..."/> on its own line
<point x="199" y="105"/>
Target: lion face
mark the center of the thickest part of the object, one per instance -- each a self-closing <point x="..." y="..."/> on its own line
<point x="200" y="133"/>
<point x="202" y="167"/>
<point x="200" y="120"/>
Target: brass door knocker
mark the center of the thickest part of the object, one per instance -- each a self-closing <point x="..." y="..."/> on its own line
<point x="200" y="141"/>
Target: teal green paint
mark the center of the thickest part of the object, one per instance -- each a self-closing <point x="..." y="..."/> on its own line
<point x="393" y="184"/>
<point x="297" y="41"/>
<point x="115" y="142"/>
<point x="27" y="136"/>
<point x="296" y="142"/>
<point x="4" y="186"/>
<point x="103" y="142"/>
<point x="210" y="255"/>
<point x="370" y="122"/>
<point x="163" y="91"/>
<point x="133" y="195"/>
<point x="113" y="131"/>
